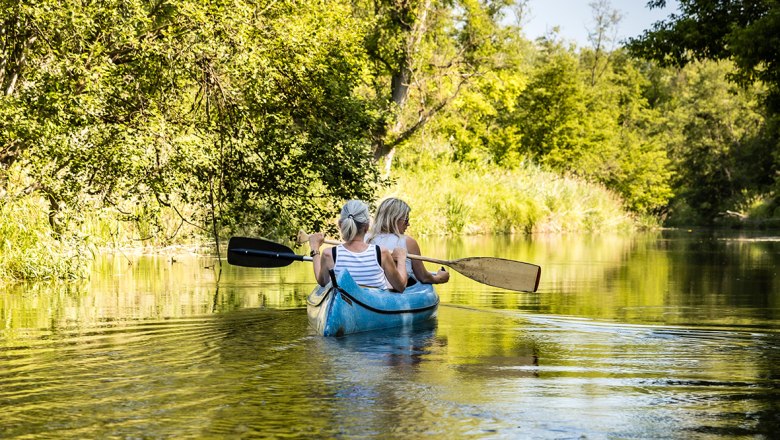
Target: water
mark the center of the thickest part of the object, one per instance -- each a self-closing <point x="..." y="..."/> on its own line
<point x="667" y="335"/>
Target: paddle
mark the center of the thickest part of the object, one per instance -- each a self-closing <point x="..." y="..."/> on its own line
<point x="256" y="252"/>
<point x="497" y="272"/>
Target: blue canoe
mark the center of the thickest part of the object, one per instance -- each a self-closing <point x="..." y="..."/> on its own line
<point x="349" y="308"/>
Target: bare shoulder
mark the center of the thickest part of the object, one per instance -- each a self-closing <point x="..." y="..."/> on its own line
<point x="411" y="245"/>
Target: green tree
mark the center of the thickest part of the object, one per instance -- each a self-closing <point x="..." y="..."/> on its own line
<point x="245" y="111"/>
<point x="602" y="37"/>
<point x="712" y="131"/>
<point x="479" y="126"/>
<point x="744" y="32"/>
<point x="556" y="112"/>
<point x="633" y="159"/>
<point x="595" y="126"/>
<point x="551" y="111"/>
<point x="424" y="53"/>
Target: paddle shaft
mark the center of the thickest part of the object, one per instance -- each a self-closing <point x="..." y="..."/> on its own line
<point x="497" y="272"/>
<point x="271" y="254"/>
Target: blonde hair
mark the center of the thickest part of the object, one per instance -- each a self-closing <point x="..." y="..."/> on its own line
<point x="354" y="219"/>
<point x="390" y="211"/>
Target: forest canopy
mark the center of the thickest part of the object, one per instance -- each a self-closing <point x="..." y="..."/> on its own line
<point x="732" y="156"/>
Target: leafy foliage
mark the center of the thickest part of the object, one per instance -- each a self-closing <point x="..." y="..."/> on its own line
<point x="423" y="54"/>
<point x="552" y="114"/>
<point x="239" y="109"/>
<point x="712" y="130"/>
<point x="745" y="32"/>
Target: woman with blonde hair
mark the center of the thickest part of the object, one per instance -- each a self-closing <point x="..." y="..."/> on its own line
<point x="388" y="231"/>
<point x="368" y="264"/>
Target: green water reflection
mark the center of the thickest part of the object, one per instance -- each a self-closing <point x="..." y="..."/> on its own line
<point x="671" y="334"/>
<point x="670" y="278"/>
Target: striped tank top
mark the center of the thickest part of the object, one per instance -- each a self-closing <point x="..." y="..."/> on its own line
<point x="364" y="266"/>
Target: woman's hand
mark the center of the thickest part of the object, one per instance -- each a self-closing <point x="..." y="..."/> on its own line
<point x="399" y="255"/>
<point x="442" y="276"/>
<point x="316" y="240"/>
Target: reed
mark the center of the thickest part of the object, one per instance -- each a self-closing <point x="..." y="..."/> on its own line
<point x="29" y="249"/>
<point x="460" y="200"/>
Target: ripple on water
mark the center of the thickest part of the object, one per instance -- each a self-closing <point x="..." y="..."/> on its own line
<point x="126" y="373"/>
<point x="472" y="373"/>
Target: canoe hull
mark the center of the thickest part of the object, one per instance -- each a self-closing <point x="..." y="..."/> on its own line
<point x="350" y="308"/>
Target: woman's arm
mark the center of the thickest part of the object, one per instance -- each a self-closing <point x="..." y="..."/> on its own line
<point x="420" y="272"/>
<point x="323" y="263"/>
<point x="394" y="265"/>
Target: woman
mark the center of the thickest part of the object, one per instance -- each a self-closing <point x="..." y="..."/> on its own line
<point x="370" y="265"/>
<point x="392" y="219"/>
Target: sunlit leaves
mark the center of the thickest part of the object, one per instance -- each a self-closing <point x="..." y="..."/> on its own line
<point x="229" y="107"/>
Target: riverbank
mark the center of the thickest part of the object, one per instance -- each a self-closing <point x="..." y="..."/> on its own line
<point x="454" y="200"/>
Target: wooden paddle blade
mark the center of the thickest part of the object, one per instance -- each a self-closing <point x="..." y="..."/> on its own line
<point x="500" y="272"/>
<point x="256" y="252"/>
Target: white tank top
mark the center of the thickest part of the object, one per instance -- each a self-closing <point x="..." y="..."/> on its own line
<point x="363" y="266"/>
<point x="392" y="241"/>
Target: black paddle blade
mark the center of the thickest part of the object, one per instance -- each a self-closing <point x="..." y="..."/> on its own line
<point x="256" y="252"/>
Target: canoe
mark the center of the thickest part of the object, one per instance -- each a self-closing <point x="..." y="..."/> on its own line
<point x="343" y="307"/>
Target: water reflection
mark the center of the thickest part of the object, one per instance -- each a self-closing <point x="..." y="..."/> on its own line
<point x="373" y="379"/>
<point x="400" y="347"/>
<point x="672" y="334"/>
<point x="669" y="277"/>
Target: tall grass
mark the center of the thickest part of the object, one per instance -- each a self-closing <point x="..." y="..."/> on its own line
<point x="459" y="200"/>
<point x="138" y="228"/>
<point x="29" y="248"/>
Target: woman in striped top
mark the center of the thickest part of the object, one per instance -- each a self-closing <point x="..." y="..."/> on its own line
<point x="370" y="265"/>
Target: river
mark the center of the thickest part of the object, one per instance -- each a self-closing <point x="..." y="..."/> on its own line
<point x="670" y="334"/>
